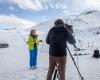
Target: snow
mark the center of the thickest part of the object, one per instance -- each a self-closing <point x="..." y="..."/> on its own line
<point x="14" y="61"/>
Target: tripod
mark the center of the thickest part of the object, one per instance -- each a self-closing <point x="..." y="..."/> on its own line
<point x="56" y="71"/>
<point x="75" y="64"/>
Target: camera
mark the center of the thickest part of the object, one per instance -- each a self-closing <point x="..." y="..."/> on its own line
<point x="70" y="27"/>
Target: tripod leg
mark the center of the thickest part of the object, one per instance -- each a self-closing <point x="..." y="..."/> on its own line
<point x="75" y="64"/>
<point x="55" y="74"/>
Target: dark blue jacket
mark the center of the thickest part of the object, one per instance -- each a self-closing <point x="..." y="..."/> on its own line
<point x="57" y="39"/>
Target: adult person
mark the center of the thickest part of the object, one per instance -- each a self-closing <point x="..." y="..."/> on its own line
<point x="57" y="39"/>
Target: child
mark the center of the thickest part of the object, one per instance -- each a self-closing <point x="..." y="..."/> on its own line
<point x="33" y="47"/>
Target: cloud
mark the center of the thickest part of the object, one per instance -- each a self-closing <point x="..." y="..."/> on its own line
<point x="51" y="6"/>
<point x="72" y="6"/>
<point x="93" y="3"/>
<point x="12" y="8"/>
<point x="81" y="5"/>
<point x="54" y="4"/>
<point x="28" y="4"/>
<point x="44" y="16"/>
<point x="25" y="4"/>
<point x="38" y="4"/>
<point x="14" y="21"/>
<point x="65" y="12"/>
<point x="60" y="6"/>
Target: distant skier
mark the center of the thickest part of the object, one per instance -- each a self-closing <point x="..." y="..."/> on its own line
<point x="57" y="39"/>
<point x="33" y="48"/>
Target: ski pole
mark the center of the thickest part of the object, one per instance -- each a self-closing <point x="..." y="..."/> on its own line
<point x="75" y="64"/>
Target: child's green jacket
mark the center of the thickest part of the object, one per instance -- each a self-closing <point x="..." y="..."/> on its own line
<point x="31" y="42"/>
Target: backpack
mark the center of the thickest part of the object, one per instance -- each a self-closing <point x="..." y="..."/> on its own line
<point x="96" y="54"/>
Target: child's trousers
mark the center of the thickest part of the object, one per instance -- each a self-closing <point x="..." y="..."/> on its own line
<point x="33" y="57"/>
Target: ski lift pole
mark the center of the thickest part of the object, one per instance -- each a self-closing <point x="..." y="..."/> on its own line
<point x="75" y="64"/>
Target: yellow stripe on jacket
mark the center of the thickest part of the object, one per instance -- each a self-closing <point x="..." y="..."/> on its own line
<point x="31" y="42"/>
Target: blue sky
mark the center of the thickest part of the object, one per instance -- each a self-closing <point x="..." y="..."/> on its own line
<point x="36" y="11"/>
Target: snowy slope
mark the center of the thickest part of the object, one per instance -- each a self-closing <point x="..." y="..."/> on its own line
<point x="14" y="61"/>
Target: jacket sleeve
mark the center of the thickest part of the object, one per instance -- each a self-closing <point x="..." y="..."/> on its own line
<point x="70" y="37"/>
<point x="48" y="37"/>
<point x="29" y="40"/>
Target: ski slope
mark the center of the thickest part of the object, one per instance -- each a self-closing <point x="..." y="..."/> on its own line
<point x="14" y="61"/>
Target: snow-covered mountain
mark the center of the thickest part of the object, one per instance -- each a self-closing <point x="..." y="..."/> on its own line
<point x="88" y="20"/>
<point x="83" y="21"/>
